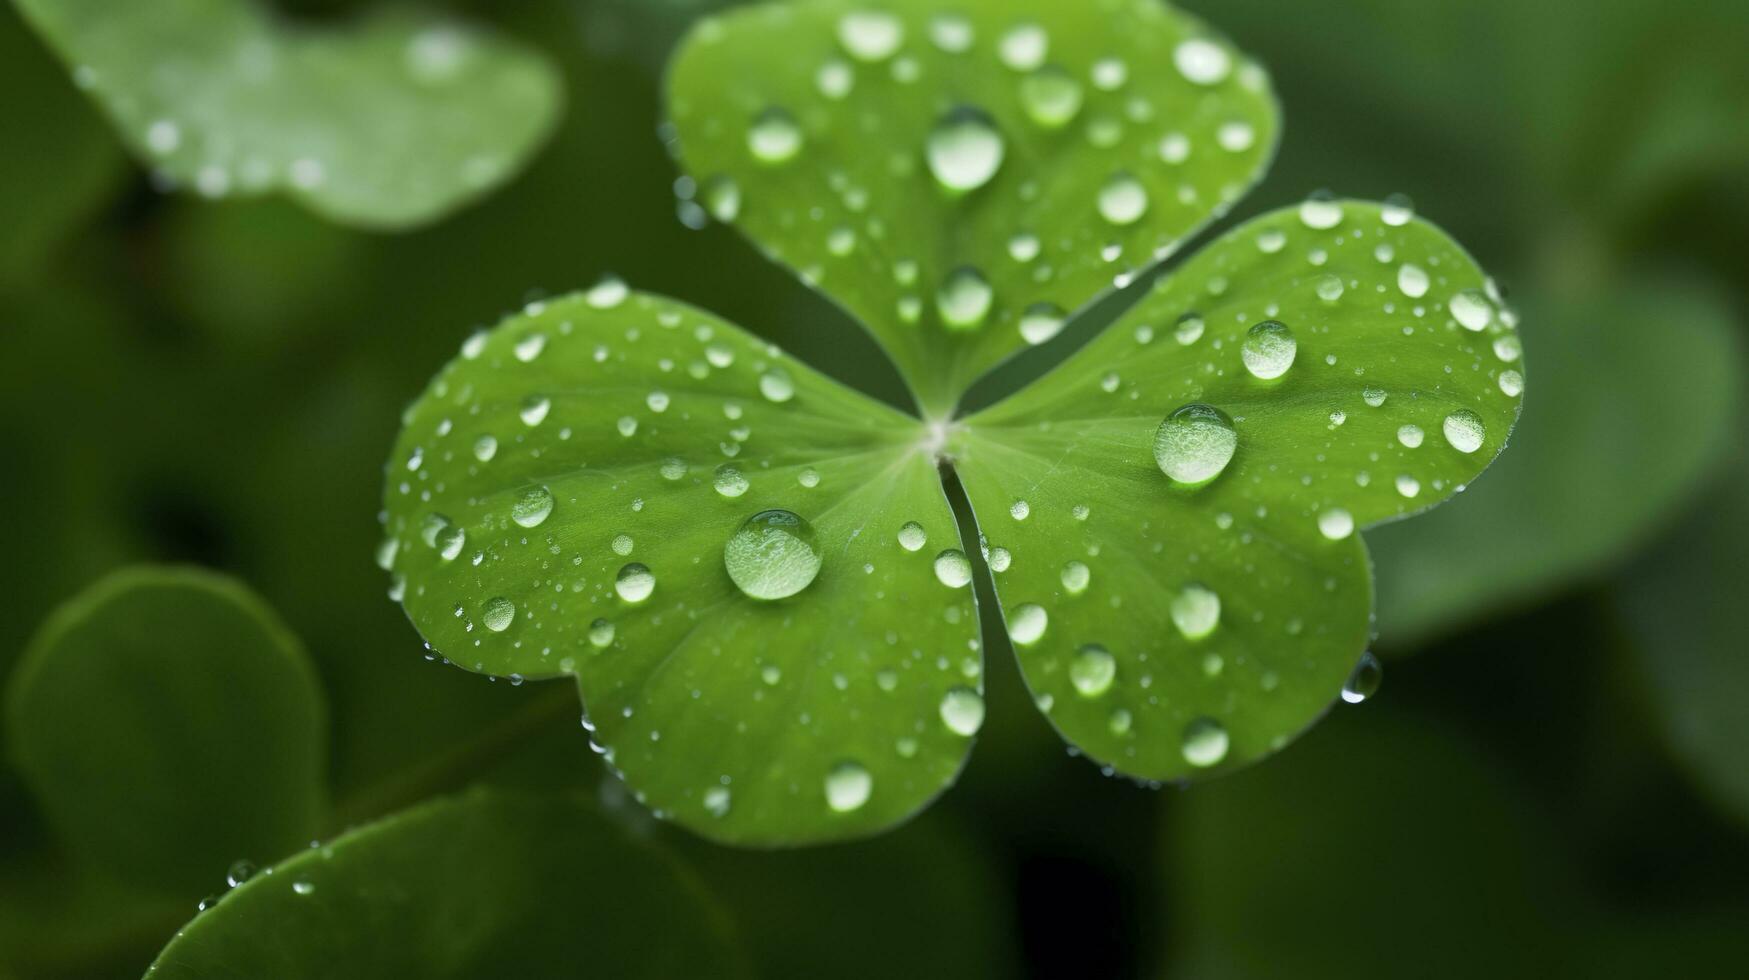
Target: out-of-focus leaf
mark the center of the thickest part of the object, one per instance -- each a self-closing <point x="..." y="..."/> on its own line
<point x="962" y="178"/>
<point x="59" y="158"/>
<point x="1633" y="405"/>
<point x="1352" y="359"/>
<point x="169" y="725"/>
<point x="489" y="884"/>
<point x="1684" y="610"/>
<point x="385" y="123"/>
<point x="563" y="500"/>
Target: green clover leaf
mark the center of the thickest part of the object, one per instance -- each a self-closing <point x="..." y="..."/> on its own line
<point x="753" y="572"/>
<point x="387" y="123"/>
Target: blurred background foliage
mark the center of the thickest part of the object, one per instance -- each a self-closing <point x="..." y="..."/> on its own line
<point x="1551" y="782"/>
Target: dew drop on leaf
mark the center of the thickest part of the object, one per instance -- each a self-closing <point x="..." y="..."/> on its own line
<point x="485" y="448"/>
<point x="774" y="137"/>
<point x="1195" y="443"/>
<point x="1412" y="280"/>
<point x="1511" y="384"/>
<point x="1023" y="47"/>
<point x="964" y="149"/>
<point x="1075" y="577"/>
<point x="953" y="569"/>
<point x="1051" y="96"/>
<point x="1026" y="625"/>
<point x="1268" y="350"/>
<point x="848" y="786"/>
<point x="870" y="35"/>
<point x="912" y="537"/>
<point x="534" y="410"/>
<point x="1472" y="310"/>
<point x="601" y="634"/>
<point x="1188" y="329"/>
<point x="1123" y="200"/>
<point x="1202" y="62"/>
<point x="498" y="614"/>
<point x="728" y="481"/>
<point x="607" y="293"/>
<point x="1336" y="524"/>
<point x="532" y="507"/>
<point x="1374" y="397"/>
<point x="716" y="801"/>
<point x="964" y="299"/>
<point x="1205" y="742"/>
<point x="777" y="386"/>
<point x="962" y="711"/>
<point x="1119" y="722"/>
<point x="1092" y="671"/>
<point x="722" y="197"/>
<point x="1410" y="435"/>
<point x="1364" y="682"/>
<point x="772" y="555"/>
<point x="1040" y="322"/>
<point x="1320" y="211"/>
<point x="635" y="582"/>
<point x="1464" y="430"/>
<point x="1196" y="611"/>
<point x="1397" y="210"/>
<point x="1329" y="288"/>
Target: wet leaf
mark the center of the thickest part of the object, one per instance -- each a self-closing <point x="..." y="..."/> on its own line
<point x="563" y="501"/>
<point x="488" y="884"/>
<point x="962" y="178"/>
<point x="1598" y="466"/>
<point x="168" y="725"/>
<point x="388" y="122"/>
<point x="1177" y="503"/>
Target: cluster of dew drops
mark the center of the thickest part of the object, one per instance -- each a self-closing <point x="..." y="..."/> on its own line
<point x="965" y="149"/>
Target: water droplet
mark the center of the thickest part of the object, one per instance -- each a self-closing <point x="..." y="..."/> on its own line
<point x="1026" y="625"/>
<point x="953" y="569"/>
<point x="870" y="35"/>
<point x="1040" y="322"/>
<point x="1410" y="435"/>
<point x="1202" y="62"/>
<point x="1093" y="670"/>
<point x="1329" y="288"/>
<point x="951" y="33"/>
<point x="1397" y="210"/>
<point x="635" y="582"/>
<point x="964" y="149"/>
<point x="716" y="801"/>
<point x="1075" y="577"/>
<point x="1336" y="524"/>
<point x="722" y="197"/>
<point x="1019" y="510"/>
<point x="1374" y="397"/>
<point x="601" y="634"/>
<point x="530" y="347"/>
<point x="485" y="448"/>
<point x="607" y="293"/>
<point x="774" y="136"/>
<point x="450" y="542"/>
<point x="532" y="506"/>
<point x="240" y="871"/>
<point x="1023" y="247"/>
<point x="772" y="555"/>
<point x="1511" y="383"/>
<point x="777" y="386"/>
<point x="1471" y="309"/>
<point x="962" y="711"/>
<point x="627" y="426"/>
<point x="621" y="544"/>
<point x="1123" y="200"/>
<point x="1464" y="430"/>
<point x="303" y="886"/>
<point x="1268" y="350"/>
<point x="1196" y="611"/>
<point x="964" y="299"/>
<point x="1188" y="329"/>
<point x="1205" y="742"/>
<point x="729" y="482"/>
<point x="1412" y="280"/>
<point x="912" y="537"/>
<point x="1110" y="74"/>
<point x="1119" y="722"/>
<point x="498" y="614"/>
<point x="1508" y="347"/>
<point x="1321" y="210"/>
<point x="1195" y="443"/>
<point x="1236" y="136"/>
<point x="999" y="559"/>
<point x="1023" y="47"/>
<point x="1408" y="486"/>
<point x="808" y="477"/>
<point x="1051" y="96"/>
<point x="848" y="786"/>
<point x="1364" y="682"/>
<point x="534" y="410"/>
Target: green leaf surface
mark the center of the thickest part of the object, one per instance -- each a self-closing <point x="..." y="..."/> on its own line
<point x="1688" y="640"/>
<point x="388" y="122"/>
<point x="1233" y="608"/>
<point x="962" y="180"/>
<point x="169" y="725"/>
<point x="601" y="438"/>
<point x="489" y="884"/>
<point x="1594" y="472"/>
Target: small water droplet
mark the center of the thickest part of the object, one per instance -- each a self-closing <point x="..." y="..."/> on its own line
<point x="303" y="886"/>
<point x="1464" y="430"/>
<point x="498" y="614"/>
<point x="728" y="481"/>
<point x="1202" y="62"/>
<point x="964" y="299"/>
<point x="1412" y="280"/>
<point x="1205" y="742"/>
<point x="772" y="555"/>
<point x="532" y="506"/>
<point x="1023" y="47"/>
<point x="1471" y="309"/>
<point x="1051" y="96"/>
<point x="1511" y="383"/>
<point x="1397" y="210"/>
<point x="870" y="35"/>
<point x="1410" y="435"/>
<point x="1268" y="350"/>
<point x="1123" y="200"/>
<point x="485" y="448"/>
<point x="1188" y="329"/>
<point x="1092" y="671"/>
<point x="635" y="582"/>
<point x="1195" y="443"/>
<point x="239" y="872"/>
<point x="601" y="634"/>
<point x="1026" y="625"/>
<point x="1041" y="321"/>
<point x="1019" y="510"/>
<point x="848" y="786"/>
<point x="912" y="536"/>
<point x="1075" y="577"/>
<point x="1364" y="682"/>
<point x="1374" y="397"/>
<point x="777" y="386"/>
<point x="774" y="137"/>
<point x="1329" y="288"/>
<point x="534" y="410"/>
<point x="1336" y="524"/>
<point x="1196" y="611"/>
<point x="953" y="569"/>
<point x="722" y="197"/>
<point x="1321" y="210"/>
<point x="962" y="711"/>
<point x="965" y="149"/>
<point x="607" y="293"/>
<point x="716" y="801"/>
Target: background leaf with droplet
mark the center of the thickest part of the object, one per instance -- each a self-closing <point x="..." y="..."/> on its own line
<point x="1178" y="501"/>
<point x="962" y="179"/>
<point x="563" y="501"/>
<point x="386" y="123"/>
<point x="491" y="883"/>
<point x="168" y="725"/>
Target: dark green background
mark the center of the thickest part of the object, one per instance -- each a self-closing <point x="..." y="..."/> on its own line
<point x="220" y="383"/>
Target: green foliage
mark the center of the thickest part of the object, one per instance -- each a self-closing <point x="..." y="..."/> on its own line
<point x="475" y="886"/>
<point x="589" y="489"/>
<point x="1593" y="472"/>
<point x="168" y="724"/>
<point x="386" y="123"/>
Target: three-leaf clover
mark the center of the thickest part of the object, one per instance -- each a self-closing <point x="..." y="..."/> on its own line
<point x="753" y="572"/>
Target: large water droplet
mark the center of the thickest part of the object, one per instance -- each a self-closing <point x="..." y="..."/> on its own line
<point x="1026" y="625"/>
<point x="1123" y="200"/>
<point x="848" y="786"/>
<point x="1196" y="611"/>
<point x="1471" y="309"/>
<point x="1023" y="47"/>
<point x="1397" y="210"/>
<point x="777" y="386"/>
<point x="601" y="634"/>
<point x="498" y="614"/>
<point x="870" y="35"/>
<point x="965" y="149"/>
<point x="1075" y="577"/>
<point x="1051" y="96"/>
<point x="1364" y="682"/>
<point x="728" y="481"/>
<point x="1464" y="430"/>
<point x="772" y="555"/>
<point x="964" y="299"/>
<point x="1202" y="62"/>
<point x="1268" y="350"/>
<point x="532" y="506"/>
<point x="774" y="137"/>
<point x="1205" y="742"/>
<point x="722" y="197"/>
<point x="1195" y="443"/>
<point x="962" y="711"/>
<point x="1412" y="280"/>
<point x="635" y="582"/>
<point x="716" y="801"/>
<point x="1040" y="322"/>
<point x="1321" y="210"/>
<point x="953" y="569"/>
<point x="1093" y="670"/>
<point x="1336" y="524"/>
<point x="912" y="537"/>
